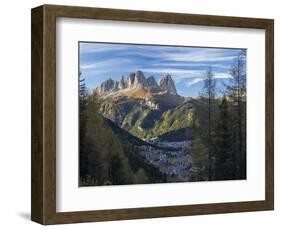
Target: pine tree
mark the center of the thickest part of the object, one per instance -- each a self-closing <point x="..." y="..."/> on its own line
<point x="93" y="151"/>
<point x="236" y="90"/>
<point x="199" y="159"/>
<point x="209" y="91"/>
<point x="222" y="143"/>
<point x="83" y="156"/>
<point x="82" y="92"/>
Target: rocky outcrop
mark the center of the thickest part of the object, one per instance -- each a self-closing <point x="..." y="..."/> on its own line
<point x="140" y="80"/>
<point x="115" y="85"/>
<point x="131" y="80"/>
<point x="166" y="83"/>
<point x="137" y="80"/>
<point x="105" y="87"/>
<point x="151" y="82"/>
<point x="122" y="83"/>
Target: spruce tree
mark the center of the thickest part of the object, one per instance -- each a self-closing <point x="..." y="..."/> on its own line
<point x="236" y="91"/>
<point x="209" y="91"/>
<point x="199" y="160"/>
<point x="224" y="167"/>
<point x="83" y="156"/>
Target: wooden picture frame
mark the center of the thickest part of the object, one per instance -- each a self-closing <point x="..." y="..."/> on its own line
<point x="43" y="208"/>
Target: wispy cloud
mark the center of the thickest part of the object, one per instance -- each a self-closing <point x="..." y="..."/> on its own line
<point x="187" y="65"/>
<point x="201" y="55"/>
<point x="191" y="64"/>
<point x="216" y="76"/>
<point x="188" y="55"/>
<point x="105" y="64"/>
<point x="86" y="48"/>
<point x="174" y="71"/>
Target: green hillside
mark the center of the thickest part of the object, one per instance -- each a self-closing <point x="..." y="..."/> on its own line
<point x="173" y="113"/>
<point x="109" y="156"/>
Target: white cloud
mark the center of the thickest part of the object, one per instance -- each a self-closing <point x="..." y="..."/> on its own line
<point x="216" y="76"/>
<point x="189" y="64"/>
<point x="174" y="71"/>
<point x="104" y="65"/>
<point x="202" y="55"/>
<point x="194" y="81"/>
<point x="163" y="53"/>
<point x="222" y="75"/>
<point x="188" y="54"/>
<point x="88" y="47"/>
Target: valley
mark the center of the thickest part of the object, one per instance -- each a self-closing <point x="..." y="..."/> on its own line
<point x="172" y="159"/>
<point x="161" y="114"/>
<point x="154" y="113"/>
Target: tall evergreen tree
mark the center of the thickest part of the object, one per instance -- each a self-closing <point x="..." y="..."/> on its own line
<point x="83" y="156"/>
<point x="209" y="91"/>
<point x="82" y="92"/>
<point x="199" y="159"/>
<point x="224" y="167"/>
<point x="236" y="90"/>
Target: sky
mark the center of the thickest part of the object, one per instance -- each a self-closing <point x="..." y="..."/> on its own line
<point x="186" y="65"/>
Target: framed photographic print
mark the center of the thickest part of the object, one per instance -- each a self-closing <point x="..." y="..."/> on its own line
<point x="141" y="114"/>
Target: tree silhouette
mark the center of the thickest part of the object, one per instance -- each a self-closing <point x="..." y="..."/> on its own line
<point x="209" y="91"/>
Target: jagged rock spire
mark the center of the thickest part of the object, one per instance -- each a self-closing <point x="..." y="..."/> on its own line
<point x="166" y="83"/>
<point x="138" y="80"/>
<point x="105" y="86"/>
<point x="151" y="82"/>
<point x="131" y="80"/>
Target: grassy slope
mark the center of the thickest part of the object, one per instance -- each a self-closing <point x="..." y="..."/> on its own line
<point x="174" y="113"/>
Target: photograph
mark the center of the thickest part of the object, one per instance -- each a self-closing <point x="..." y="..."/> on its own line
<point x="153" y="113"/>
<point x="141" y="114"/>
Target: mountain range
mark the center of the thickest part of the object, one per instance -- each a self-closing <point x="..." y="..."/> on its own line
<point x="137" y="80"/>
<point x="146" y="108"/>
<point x="150" y="124"/>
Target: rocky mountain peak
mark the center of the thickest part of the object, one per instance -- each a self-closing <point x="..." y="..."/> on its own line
<point x="122" y="83"/>
<point x="137" y="80"/>
<point x="105" y="86"/>
<point x="166" y="83"/>
<point x="131" y="80"/>
<point x="151" y="82"/>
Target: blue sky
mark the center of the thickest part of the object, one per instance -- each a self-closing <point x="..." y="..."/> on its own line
<point x="186" y="65"/>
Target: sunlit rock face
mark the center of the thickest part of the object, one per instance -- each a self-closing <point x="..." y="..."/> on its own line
<point x="137" y="80"/>
<point x="105" y="87"/>
<point x="166" y="83"/>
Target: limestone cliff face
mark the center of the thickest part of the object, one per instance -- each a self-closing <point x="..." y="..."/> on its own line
<point x="137" y="80"/>
<point x="151" y="82"/>
<point x="105" y="87"/>
<point x="140" y="80"/>
<point x="131" y="80"/>
<point x="122" y="83"/>
<point x="167" y="84"/>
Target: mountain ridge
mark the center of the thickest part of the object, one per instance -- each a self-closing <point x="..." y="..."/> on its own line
<point x="137" y="80"/>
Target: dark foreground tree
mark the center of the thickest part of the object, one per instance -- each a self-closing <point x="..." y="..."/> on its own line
<point x="236" y="90"/>
<point x="209" y="91"/>
<point x="224" y="164"/>
<point x="199" y="160"/>
<point x="83" y="156"/>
